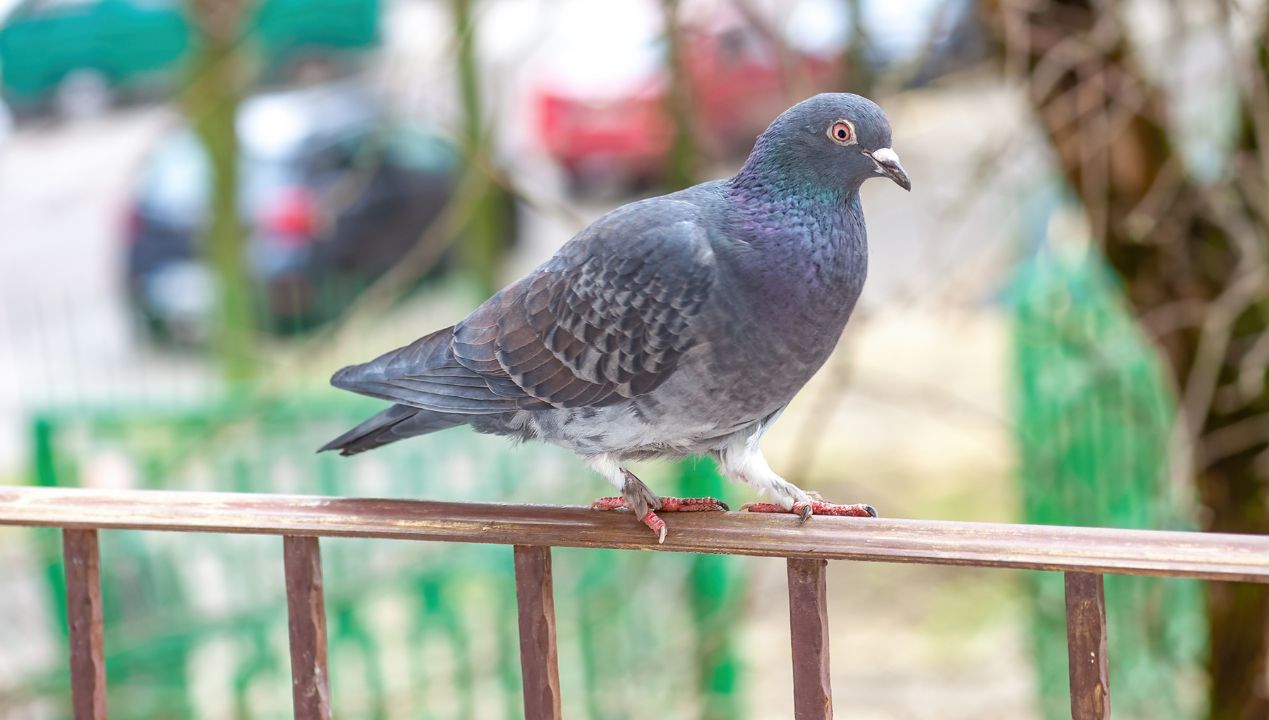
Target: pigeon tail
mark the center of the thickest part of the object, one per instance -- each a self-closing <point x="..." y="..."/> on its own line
<point x="396" y="423"/>
<point x="426" y="375"/>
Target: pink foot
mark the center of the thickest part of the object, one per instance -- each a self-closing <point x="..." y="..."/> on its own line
<point x="814" y="507"/>
<point x="665" y="504"/>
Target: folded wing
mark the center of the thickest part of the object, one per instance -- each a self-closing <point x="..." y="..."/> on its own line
<point x="607" y="318"/>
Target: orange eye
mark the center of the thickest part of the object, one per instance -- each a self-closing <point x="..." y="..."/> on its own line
<point x="842" y="132"/>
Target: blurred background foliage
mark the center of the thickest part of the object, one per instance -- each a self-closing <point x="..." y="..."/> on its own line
<point x="208" y="206"/>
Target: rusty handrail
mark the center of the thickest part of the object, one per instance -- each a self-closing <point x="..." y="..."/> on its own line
<point x="1091" y="550"/>
<point x="1084" y="554"/>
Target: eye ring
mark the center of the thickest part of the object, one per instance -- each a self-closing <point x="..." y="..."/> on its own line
<point x="842" y="132"/>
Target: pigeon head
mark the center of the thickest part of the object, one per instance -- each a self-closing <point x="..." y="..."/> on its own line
<point x="829" y="141"/>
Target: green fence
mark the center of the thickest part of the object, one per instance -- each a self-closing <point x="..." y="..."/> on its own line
<point x="196" y="624"/>
<point x="1094" y="423"/>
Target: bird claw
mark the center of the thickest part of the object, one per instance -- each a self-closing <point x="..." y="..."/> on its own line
<point x="804" y="510"/>
<point x="665" y="504"/>
<point x="656" y="524"/>
<point x="697" y="504"/>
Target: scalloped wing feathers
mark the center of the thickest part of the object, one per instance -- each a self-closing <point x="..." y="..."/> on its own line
<point x="607" y="318"/>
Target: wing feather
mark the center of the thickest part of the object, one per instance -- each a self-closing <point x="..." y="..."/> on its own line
<point x="607" y="318"/>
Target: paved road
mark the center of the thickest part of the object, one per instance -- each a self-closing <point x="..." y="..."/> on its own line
<point x="63" y="330"/>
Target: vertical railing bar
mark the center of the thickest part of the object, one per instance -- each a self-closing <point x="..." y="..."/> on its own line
<point x="539" y="657"/>
<point x="306" y="613"/>
<point x="83" y="615"/>
<point x="808" y="623"/>
<point x="1086" y="646"/>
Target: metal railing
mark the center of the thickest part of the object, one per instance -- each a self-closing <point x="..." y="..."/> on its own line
<point x="1084" y="554"/>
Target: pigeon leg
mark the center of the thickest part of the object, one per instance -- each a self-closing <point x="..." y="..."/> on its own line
<point x="639" y="499"/>
<point x="744" y="462"/>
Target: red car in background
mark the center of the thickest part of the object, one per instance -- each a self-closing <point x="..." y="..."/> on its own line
<point x="738" y="78"/>
<point x="623" y="138"/>
<point x="738" y="81"/>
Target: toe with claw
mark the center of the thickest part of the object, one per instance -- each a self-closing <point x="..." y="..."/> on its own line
<point x="805" y="509"/>
<point x="664" y="504"/>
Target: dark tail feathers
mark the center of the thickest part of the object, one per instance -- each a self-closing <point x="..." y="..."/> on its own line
<point x="395" y="423"/>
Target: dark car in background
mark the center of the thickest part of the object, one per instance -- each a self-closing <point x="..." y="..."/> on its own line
<point x="332" y="194"/>
<point x="57" y="53"/>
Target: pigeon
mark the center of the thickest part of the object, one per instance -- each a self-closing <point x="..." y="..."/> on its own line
<point x="674" y="326"/>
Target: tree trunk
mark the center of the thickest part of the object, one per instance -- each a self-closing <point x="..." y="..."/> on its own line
<point x="682" y="159"/>
<point x="211" y="99"/>
<point x="1192" y="259"/>
<point x="485" y="236"/>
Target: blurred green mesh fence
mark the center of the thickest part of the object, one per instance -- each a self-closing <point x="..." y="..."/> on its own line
<point x="196" y="625"/>
<point x="1094" y="419"/>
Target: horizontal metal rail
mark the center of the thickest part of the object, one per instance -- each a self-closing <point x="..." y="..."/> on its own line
<point x="1040" y="547"/>
<point x="1084" y="554"/>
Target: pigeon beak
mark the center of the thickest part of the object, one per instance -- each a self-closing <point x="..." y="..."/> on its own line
<point x="888" y="164"/>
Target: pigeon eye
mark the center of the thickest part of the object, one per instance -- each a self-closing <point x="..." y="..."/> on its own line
<point x="842" y="132"/>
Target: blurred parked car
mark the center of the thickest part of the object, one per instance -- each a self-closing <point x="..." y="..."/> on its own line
<point x="332" y="195"/>
<point x="602" y="105"/>
<point x="75" y="53"/>
<point x="601" y="97"/>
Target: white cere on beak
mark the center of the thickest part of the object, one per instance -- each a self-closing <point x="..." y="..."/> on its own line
<point x="887" y="165"/>
<point x="884" y="156"/>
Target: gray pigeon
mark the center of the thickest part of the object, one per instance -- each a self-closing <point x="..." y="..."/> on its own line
<point x="673" y="326"/>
